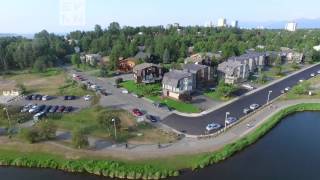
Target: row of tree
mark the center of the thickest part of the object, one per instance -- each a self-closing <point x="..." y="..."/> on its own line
<point x="43" y="51"/>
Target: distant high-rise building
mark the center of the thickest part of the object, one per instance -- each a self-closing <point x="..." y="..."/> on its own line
<point x="208" y="24"/>
<point x="234" y="24"/>
<point x="176" y="25"/>
<point x="291" y="26"/>
<point x="222" y="22"/>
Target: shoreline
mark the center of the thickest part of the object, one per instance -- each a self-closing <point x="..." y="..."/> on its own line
<point x="118" y="169"/>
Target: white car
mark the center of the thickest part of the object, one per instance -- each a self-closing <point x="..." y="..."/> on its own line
<point x="231" y="120"/>
<point x="301" y="80"/>
<point x="318" y="71"/>
<point x="26" y="108"/>
<point x="287" y="88"/>
<point x="87" y="97"/>
<point x="93" y="86"/>
<point x="33" y="109"/>
<point x="248" y="86"/>
<point x="254" y="106"/>
<point x="74" y="75"/>
<point x="312" y="75"/>
<point x="45" y="98"/>
<point x="213" y="126"/>
<point x="124" y="91"/>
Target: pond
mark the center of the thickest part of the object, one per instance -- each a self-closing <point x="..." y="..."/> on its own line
<point x="289" y="151"/>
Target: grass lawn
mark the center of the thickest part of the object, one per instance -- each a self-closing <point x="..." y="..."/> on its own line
<point x="130" y="131"/>
<point x="180" y="106"/>
<point x="177" y="105"/>
<point x="214" y="95"/>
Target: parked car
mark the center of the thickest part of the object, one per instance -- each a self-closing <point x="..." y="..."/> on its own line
<point x="68" y="109"/>
<point x="254" y="106"/>
<point x="124" y="91"/>
<point x="247" y="110"/>
<point x="137" y="112"/>
<point x="47" y="109"/>
<point x="312" y="75"/>
<point x="248" y="86"/>
<point x="38" y="116"/>
<point x="28" y="97"/>
<point x="53" y="109"/>
<point x="287" y="89"/>
<point x="33" y="109"/>
<point x="213" y="126"/>
<point x="136" y="95"/>
<point x="26" y="108"/>
<point x="75" y="75"/>
<point x="60" y="109"/>
<point x="151" y="118"/>
<point x="46" y="98"/>
<point x="38" y="97"/>
<point x="87" y="97"/>
<point x="69" y="98"/>
<point x="103" y="92"/>
<point x="301" y="80"/>
<point x="231" y="120"/>
<point x="318" y="71"/>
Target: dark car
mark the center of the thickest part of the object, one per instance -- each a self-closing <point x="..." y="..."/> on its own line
<point x="38" y="97"/>
<point x="34" y="96"/>
<point x="68" y="109"/>
<point x="53" y="109"/>
<point x="29" y="97"/>
<point x="71" y="97"/>
<point x="151" y="118"/>
<point x="39" y="109"/>
<point x="60" y="109"/>
<point x="103" y="92"/>
<point x="47" y="109"/>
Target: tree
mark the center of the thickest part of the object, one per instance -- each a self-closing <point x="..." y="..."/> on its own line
<point x="29" y="135"/>
<point x="107" y="119"/>
<point x="103" y="72"/>
<point x="75" y="60"/>
<point x="46" y="130"/>
<point x="224" y="89"/>
<point x="277" y="70"/>
<point x="79" y="139"/>
<point x="166" y="56"/>
<point x="262" y="78"/>
<point x="301" y="88"/>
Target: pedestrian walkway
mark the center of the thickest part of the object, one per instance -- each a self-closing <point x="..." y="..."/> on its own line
<point x="190" y="145"/>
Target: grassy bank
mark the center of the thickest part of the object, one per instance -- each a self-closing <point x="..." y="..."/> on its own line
<point x="97" y="167"/>
<point x="146" y="169"/>
<point x="252" y="137"/>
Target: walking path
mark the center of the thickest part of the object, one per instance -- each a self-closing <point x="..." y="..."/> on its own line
<point x="187" y="145"/>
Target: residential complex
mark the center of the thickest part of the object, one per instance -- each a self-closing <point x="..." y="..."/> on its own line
<point x="291" y="26"/>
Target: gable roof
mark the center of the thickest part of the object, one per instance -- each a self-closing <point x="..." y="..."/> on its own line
<point x="228" y="67"/>
<point x="193" y="68"/>
<point x="172" y="77"/>
<point x="144" y="65"/>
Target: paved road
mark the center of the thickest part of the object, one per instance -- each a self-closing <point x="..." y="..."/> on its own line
<point x="116" y="99"/>
<point x="196" y="125"/>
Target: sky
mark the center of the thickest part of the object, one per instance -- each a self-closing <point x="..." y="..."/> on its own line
<point x="30" y="16"/>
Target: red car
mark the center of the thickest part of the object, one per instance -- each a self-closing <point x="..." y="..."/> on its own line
<point x="137" y="112"/>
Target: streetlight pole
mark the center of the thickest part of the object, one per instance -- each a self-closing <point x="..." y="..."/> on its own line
<point x="225" y="121"/>
<point x="115" y="128"/>
<point x="269" y="93"/>
<point x="9" y="121"/>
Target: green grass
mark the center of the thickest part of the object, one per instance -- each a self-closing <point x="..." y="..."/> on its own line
<point x="144" y="90"/>
<point x="177" y="105"/>
<point x="73" y="88"/>
<point x="214" y="95"/>
<point x="149" y="168"/>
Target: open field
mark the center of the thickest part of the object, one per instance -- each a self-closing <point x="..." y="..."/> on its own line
<point x="130" y="130"/>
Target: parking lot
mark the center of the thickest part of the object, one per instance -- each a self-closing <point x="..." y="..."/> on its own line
<point x="78" y="103"/>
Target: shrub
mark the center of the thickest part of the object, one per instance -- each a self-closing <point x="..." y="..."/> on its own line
<point x="46" y="130"/>
<point x="118" y="81"/>
<point x="29" y="135"/>
<point x="185" y="97"/>
<point x="79" y="139"/>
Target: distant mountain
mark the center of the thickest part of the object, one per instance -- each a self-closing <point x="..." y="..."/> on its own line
<point x="29" y="36"/>
<point x="302" y="24"/>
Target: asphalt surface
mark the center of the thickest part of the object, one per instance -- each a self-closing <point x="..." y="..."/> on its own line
<point x="197" y="125"/>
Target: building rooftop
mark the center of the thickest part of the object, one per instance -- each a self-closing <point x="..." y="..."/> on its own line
<point x="172" y="77"/>
<point x="144" y="65"/>
<point x="193" y="68"/>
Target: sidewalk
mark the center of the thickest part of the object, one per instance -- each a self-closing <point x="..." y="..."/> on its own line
<point x="188" y="145"/>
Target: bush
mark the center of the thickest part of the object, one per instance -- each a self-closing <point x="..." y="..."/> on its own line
<point x="79" y="139"/>
<point x="185" y="97"/>
<point x="46" y="130"/>
<point x="29" y="135"/>
<point x="118" y="81"/>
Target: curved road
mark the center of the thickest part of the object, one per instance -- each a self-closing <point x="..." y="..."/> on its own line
<point x="196" y="125"/>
